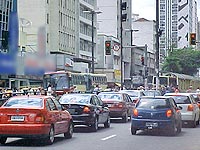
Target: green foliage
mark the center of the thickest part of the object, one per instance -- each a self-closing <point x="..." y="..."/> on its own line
<point x="184" y="61"/>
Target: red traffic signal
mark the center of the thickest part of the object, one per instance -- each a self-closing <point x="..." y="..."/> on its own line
<point x="192" y="38"/>
<point x="108" y="47"/>
<point x="142" y="60"/>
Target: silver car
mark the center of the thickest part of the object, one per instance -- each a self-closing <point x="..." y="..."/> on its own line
<point x="190" y="109"/>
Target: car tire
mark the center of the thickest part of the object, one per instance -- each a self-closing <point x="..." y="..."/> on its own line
<point x="125" y="118"/>
<point x="107" y="123"/>
<point x="179" y="128"/>
<point x="133" y="131"/>
<point x="193" y="123"/>
<point x="173" y="130"/>
<point x="94" y="126"/>
<point x="69" y="133"/>
<point x="50" y="139"/>
<point x="3" y="140"/>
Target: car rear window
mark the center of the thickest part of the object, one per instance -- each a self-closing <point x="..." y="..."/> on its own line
<point x="110" y="96"/>
<point x="181" y="99"/>
<point x="153" y="103"/>
<point x="85" y="99"/>
<point x="24" y="102"/>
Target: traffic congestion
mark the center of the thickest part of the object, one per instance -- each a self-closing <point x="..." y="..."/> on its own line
<point x="43" y="115"/>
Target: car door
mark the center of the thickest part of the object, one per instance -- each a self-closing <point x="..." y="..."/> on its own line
<point x="175" y="109"/>
<point x="196" y="107"/>
<point x="98" y="108"/>
<point x="129" y="104"/>
<point x="54" y="115"/>
<point x="103" y="108"/>
<point x="64" y="117"/>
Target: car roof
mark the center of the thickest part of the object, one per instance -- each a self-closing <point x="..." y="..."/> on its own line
<point x="178" y="94"/>
<point x="31" y="96"/>
<point x="154" y="97"/>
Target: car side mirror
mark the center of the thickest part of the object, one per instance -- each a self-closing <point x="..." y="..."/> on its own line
<point x="105" y="105"/>
<point x="179" y="108"/>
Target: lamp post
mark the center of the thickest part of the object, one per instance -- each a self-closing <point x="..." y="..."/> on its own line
<point x="92" y="12"/>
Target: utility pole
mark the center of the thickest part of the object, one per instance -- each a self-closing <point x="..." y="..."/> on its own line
<point x="121" y="43"/>
<point x="157" y="44"/>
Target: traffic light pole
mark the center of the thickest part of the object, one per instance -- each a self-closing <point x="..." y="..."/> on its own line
<point x="121" y="43"/>
<point x="157" y="44"/>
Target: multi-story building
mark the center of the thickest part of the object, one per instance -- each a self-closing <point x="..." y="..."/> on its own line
<point x="144" y="35"/>
<point x="110" y="24"/>
<point x="177" y="20"/>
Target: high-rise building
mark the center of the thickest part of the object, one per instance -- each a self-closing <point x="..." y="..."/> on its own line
<point x="177" y="20"/>
<point x="110" y="25"/>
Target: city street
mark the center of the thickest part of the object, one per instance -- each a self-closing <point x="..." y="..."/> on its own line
<point x="118" y="136"/>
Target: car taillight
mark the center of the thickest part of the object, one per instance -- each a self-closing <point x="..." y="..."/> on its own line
<point x="120" y="105"/>
<point x="190" y="107"/>
<point x="169" y="113"/>
<point x="39" y="118"/>
<point x="86" y="109"/>
<point x="135" y="112"/>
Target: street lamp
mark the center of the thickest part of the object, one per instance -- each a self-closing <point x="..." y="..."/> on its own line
<point x="92" y="12"/>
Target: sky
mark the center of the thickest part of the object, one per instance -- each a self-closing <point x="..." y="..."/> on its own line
<point x="147" y="8"/>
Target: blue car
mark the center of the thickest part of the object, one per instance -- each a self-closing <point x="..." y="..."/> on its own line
<point x="156" y="113"/>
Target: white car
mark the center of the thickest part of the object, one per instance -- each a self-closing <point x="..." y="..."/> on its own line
<point x="190" y="109"/>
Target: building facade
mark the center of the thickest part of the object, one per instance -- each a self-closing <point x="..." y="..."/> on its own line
<point x="110" y="24"/>
<point x="177" y="20"/>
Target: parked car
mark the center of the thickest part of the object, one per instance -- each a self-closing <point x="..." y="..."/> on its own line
<point x="156" y="113"/>
<point x="152" y="93"/>
<point x="135" y="95"/>
<point x="34" y="117"/>
<point x="87" y="109"/>
<point x="120" y="104"/>
<point x="190" y="111"/>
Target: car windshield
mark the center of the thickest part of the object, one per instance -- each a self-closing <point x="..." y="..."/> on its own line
<point x="24" y="102"/>
<point x="110" y="96"/>
<point x="152" y="93"/>
<point x="181" y="99"/>
<point x="132" y="93"/>
<point x="153" y="104"/>
<point x="75" y="99"/>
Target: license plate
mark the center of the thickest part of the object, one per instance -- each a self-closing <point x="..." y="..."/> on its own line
<point x="152" y="124"/>
<point x="17" y="118"/>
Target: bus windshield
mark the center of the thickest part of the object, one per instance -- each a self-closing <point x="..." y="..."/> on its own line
<point x="57" y="81"/>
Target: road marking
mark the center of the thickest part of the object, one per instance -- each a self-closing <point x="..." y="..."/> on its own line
<point x="109" y="137"/>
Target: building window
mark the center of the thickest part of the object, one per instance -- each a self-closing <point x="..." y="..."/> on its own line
<point x="47" y="18"/>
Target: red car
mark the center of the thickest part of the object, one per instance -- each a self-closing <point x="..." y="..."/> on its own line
<point x="34" y="117"/>
<point x="120" y="104"/>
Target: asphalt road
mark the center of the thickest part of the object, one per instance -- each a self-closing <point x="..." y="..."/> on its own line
<point x="118" y="136"/>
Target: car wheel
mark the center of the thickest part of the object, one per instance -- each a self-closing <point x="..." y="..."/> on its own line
<point x="133" y="131"/>
<point x="94" y="126"/>
<point x="3" y="140"/>
<point x="173" y="130"/>
<point x="193" y="123"/>
<point x="125" y="118"/>
<point x="50" y="139"/>
<point x="179" y="128"/>
<point x="70" y="131"/>
<point x="107" y="123"/>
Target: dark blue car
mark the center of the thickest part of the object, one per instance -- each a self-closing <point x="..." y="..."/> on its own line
<point x="156" y="113"/>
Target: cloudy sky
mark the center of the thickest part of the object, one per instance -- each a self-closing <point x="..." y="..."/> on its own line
<point x="147" y="8"/>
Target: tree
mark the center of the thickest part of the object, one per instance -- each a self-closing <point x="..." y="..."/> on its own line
<point x="184" y="61"/>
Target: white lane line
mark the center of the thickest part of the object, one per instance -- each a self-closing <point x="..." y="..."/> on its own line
<point x="109" y="137"/>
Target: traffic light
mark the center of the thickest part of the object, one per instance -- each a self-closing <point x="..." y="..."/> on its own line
<point x="142" y="60"/>
<point x="192" y="38"/>
<point x="108" y="47"/>
<point x="123" y="8"/>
